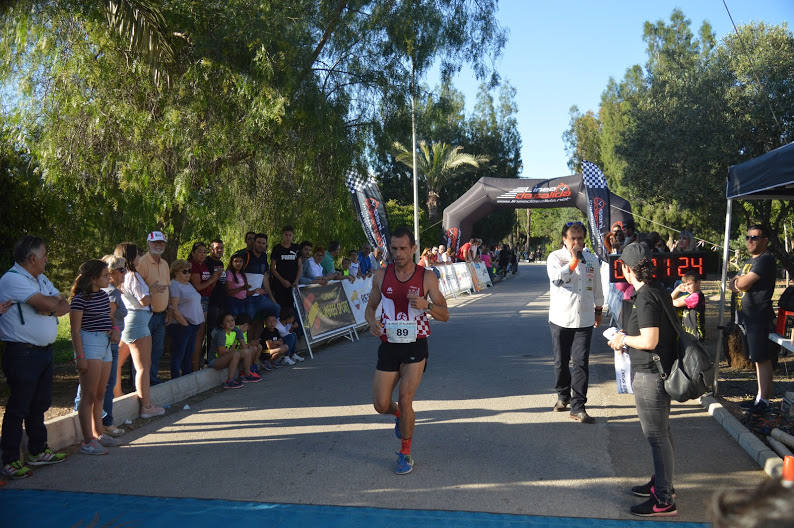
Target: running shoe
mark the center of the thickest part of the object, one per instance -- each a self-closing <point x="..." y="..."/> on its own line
<point x="654" y="508"/>
<point x="267" y="367"/>
<point x="108" y="441"/>
<point x="251" y="378"/>
<point x="151" y="412"/>
<point x="114" y="431"/>
<point x="254" y="369"/>
<point x="93" y="448"/>
<point x="646" y="489"/>
<point x="397" y="432"/>
<point x="405" y="464"/>
<point x="288" y="361"/>
<point x="232" y="384"/>
<point x="46" y="458"/>
<point x="15" y="471"/>
<point x="296" y="357"/>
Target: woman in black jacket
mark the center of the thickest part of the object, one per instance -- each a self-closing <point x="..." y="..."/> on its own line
<point x="648" y="333"/>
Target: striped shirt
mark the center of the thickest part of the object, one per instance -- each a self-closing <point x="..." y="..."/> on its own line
<point x="96" y="311"/>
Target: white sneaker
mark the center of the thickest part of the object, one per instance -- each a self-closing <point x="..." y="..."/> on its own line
<point x="108" y="441"/>
<point x="288" y="361"/>
<point x="296" y="357"/>
<point x="93" y="448"/>
<point x="151" y="412"/>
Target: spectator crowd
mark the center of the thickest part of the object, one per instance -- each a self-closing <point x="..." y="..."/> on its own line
<point x="132" y="306"/>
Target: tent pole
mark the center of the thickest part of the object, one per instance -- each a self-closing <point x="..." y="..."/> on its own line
<point x="723" y="282"/>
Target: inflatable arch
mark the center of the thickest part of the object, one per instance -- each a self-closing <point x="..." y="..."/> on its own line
<point x="588" y="193"/>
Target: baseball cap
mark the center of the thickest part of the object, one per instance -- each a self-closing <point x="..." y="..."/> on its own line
<point x="156" y="236"/>
<point x="633" y="254"/>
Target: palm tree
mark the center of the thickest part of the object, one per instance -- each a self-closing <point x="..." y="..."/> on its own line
<point x="437" y="164"/>
<point x="142" y="25"/>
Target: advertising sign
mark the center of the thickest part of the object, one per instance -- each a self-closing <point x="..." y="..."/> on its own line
<point x="324" y="309"/>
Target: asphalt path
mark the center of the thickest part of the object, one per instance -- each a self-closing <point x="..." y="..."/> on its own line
<point x="486" y="438"/>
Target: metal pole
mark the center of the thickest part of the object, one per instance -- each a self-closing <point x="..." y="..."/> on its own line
<point x="723" y="282"/>
<point x="413" y="152"/>
<point x="785" y="238"/>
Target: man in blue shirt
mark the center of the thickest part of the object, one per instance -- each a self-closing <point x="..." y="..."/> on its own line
<point x="364" y="263"/>
<point x="28" y="328"/>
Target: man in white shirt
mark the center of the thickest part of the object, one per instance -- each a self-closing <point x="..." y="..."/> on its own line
<point x="29" y="309"/>
<point x="575" y="304"/>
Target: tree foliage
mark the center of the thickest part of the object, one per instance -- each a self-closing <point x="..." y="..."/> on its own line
<point x="666" y="133"/>
<point x="208" y="119"/>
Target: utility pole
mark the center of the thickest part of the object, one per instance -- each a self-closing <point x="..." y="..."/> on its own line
<point x="413" y="152"/>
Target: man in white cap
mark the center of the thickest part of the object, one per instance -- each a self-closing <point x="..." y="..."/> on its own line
<point x="156" y="273"/>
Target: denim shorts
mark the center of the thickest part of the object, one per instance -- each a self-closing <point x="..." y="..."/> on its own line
<point x="136" y="325"/>
<point x="96" y="345"/>
<point x="205" y="304"/>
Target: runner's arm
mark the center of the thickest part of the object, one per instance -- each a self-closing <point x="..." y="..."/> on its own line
<point x="375" y="326"/>
<point x="439" y="310"/>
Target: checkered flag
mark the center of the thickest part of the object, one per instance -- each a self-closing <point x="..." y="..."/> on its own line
<point x="593" y="177"/>
<point x="355" y="182"/>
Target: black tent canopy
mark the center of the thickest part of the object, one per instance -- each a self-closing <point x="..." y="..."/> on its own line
<point x="767" y="177"/>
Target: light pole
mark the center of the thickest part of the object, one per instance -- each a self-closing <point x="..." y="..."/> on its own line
<point x="413" y="153"/>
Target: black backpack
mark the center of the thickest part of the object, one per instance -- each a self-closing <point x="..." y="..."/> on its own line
<point x="691" y="371"/>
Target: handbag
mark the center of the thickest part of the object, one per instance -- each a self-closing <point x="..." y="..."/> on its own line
<point x="689" y="375"/>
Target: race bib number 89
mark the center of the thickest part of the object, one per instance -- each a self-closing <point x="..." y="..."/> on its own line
<point x="400" y="331"/>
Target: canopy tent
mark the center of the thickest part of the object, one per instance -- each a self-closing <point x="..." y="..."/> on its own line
<point x="767" y="177"/>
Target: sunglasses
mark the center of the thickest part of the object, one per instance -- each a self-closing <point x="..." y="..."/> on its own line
<point x="754" y="238"/>
<point x="186" y="271"/>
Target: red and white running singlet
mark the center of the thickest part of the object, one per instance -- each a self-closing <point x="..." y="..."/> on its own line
<point x="394" y="300"/>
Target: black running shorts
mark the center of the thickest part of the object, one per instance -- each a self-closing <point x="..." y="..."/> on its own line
<point x="392" y="355"/>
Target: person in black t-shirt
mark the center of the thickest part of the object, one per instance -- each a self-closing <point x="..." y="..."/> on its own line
<point x="648" y="332"/>
<point x="217" y="299"/>
<point x="286" y="266"/>
<point x="272" y="343"/>
<point x="755" y="285"/>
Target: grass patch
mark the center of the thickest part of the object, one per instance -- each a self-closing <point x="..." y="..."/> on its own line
<point x="62" y="348"/>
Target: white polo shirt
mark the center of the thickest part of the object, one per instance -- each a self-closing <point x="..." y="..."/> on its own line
<point x="573" y="295"/>
<point x="19" y="285"/>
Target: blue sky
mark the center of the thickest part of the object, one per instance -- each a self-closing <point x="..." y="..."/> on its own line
<point x="561" y="54"/>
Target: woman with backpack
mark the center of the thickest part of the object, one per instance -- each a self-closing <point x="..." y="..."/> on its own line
<point x="650" y="337"/>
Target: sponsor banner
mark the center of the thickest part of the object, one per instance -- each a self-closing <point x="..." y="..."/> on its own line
<point x="463" y="276"/>
<point x="324" y="309"/>
<point x="448" y="283"/>
<point x="357" y="293"/>
<point x="598" y="210"/>
<point x="482" y="274"/>
<point x="475" y="279"/>
<point x="370" y="209"/>
<point x="538" y="194"/>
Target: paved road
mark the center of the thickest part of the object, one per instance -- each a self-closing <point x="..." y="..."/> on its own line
<point x="486" y="439"/>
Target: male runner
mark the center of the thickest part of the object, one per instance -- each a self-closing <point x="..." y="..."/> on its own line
<point x="402" y="288"/>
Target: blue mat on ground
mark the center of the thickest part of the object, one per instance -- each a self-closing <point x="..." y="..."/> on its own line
<point x="62" y="509"/>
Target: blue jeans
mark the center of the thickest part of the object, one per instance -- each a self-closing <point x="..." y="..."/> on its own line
<point x="107" y="405"/>
<point x="182" y="341"/>
<point x="157" y="329"/>
<point x="653" y="410"/>
<point x="28" y="371"/>
<point x="290" y="340"/>
<point x="261" y="306"/>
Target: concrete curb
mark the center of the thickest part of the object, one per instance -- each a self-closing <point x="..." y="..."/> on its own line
<point x="767" y="459"/>
<point x="65" y="431"/>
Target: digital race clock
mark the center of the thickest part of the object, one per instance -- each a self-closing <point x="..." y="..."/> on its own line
<point x="671" y="267"/>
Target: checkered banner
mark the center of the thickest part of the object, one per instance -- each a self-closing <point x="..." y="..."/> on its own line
<point x="370" y="209"/>
<point x="595" y="188"/>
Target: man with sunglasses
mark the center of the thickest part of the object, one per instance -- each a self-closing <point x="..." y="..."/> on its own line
<point x="575" y="305"/>
<point x="754" y="287"/>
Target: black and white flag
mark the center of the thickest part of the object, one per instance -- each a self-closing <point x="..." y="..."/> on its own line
<point x="370" y="209"/>
<point x="595" y="187"/>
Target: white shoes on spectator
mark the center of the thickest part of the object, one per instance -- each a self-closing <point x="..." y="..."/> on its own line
<point x="108" y="441"/>
<point x="93" y="448"/>
<point x="296" y="357"/>
<point x="151" y="412"/>
<point x="288" y="361"/>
